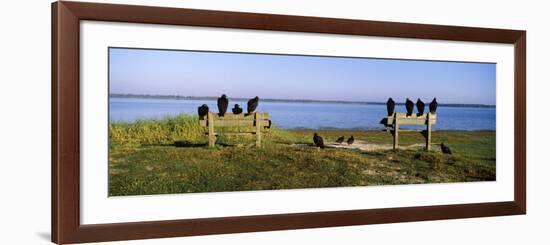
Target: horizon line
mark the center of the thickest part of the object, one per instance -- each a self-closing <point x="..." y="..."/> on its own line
<point x="189" y="97"/>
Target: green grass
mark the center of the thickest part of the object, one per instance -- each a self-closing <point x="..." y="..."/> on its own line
<point x="170" y="156"/>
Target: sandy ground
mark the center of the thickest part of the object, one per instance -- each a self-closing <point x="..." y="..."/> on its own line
<point x="364" y="146"/>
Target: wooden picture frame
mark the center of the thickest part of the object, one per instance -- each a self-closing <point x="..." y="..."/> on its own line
<point x="66" y="226"/>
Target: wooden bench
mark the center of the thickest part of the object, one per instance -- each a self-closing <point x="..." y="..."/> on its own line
<point x="399" y="118"/>
<point x="254" y="123"/>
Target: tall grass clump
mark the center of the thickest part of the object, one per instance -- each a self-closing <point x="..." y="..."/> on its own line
<point x="157" y="131"/>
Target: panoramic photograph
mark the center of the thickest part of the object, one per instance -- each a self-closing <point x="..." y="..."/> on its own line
<point x="205" y="121"/>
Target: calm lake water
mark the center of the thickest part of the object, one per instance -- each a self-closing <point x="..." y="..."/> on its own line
<point x="294" y="115"/>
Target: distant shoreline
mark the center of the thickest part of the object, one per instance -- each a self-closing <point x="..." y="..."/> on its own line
<point x="179" y="97"/>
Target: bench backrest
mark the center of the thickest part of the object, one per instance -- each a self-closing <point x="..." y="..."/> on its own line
<point x="413" y="119"/>
<point x="240" y="120"/>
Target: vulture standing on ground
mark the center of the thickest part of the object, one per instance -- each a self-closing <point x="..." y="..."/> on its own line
<point x="237" y="109"/>
<point x="203" y="111"/>
<point x="223" y="102"/>
<point x="351" y="140"/>
<point x="409" y="105"/>
<point x="391" y="106"/>
<point x="445" y="149"/>
<point x="318" y="140"/>
<point x="420" y="107"/>
<point x="433" y="106"/>
<point x="340" y="140"/>
<point x="252" y="105"/>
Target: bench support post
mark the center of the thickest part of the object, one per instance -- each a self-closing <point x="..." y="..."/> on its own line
<point x="257" y="121"/>
<point x="395" y="131"/>
<point x="428" y="132"/>
<point x="211" y="134"/>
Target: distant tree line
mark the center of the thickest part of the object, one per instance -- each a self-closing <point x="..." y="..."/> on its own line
<point x="214" y="98"/>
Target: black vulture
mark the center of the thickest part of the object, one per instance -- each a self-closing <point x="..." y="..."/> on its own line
<point x="391" y="106"/>
<point x="340" y="140"/>
<point x="223" y="102"/>
<point x="203" y="111"/>
<point x="445" y="149"/>
<point x="351" y="140"/>
<point x="420" y="107"/>
<point x="409" y="105"/>
<point x="433" y="106"/>
<point x="318" y="140"/>
<point x="252" y="105"/>
<point x="237" y="109"/>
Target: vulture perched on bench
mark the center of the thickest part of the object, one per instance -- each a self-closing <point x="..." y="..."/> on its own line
<point x="203" y="111"/>
<point x="252" y="105"/>
<point x="433" y="106"/>
<point x="420" y="107"/>
<point x="409" y="105"/>
<point x="390" y="106"/>
<point x="223" y="102"/>
<point x="237" y="109"/>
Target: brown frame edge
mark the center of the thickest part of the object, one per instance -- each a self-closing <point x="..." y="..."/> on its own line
<point x="65" y="174"/>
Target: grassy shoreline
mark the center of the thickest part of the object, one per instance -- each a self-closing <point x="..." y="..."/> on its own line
<point x="169" y="156"/>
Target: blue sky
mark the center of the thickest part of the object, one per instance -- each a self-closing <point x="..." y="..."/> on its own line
<point x="189" y="73"/>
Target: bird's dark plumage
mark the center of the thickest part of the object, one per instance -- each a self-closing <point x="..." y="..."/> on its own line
<point x="391" y="106"/>
<point x="203" y="110"/>
<point x="351" y="140"/>
<point x="445" y="149"/>
<point x="223" y="102"/>
<point x="420" y="107"/>
<point x="340" y="140"/>
<point x="433" y="106"/>
<point x="237" y="109"/>
<point x="409" y="105"/>
<point x="318" y="140"/>
<point x="252" y="105"/>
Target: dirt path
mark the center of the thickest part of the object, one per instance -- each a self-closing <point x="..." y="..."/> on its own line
<point x="364" y="146"/>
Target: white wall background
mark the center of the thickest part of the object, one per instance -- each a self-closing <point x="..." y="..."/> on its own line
<point x="25" y="121"/>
